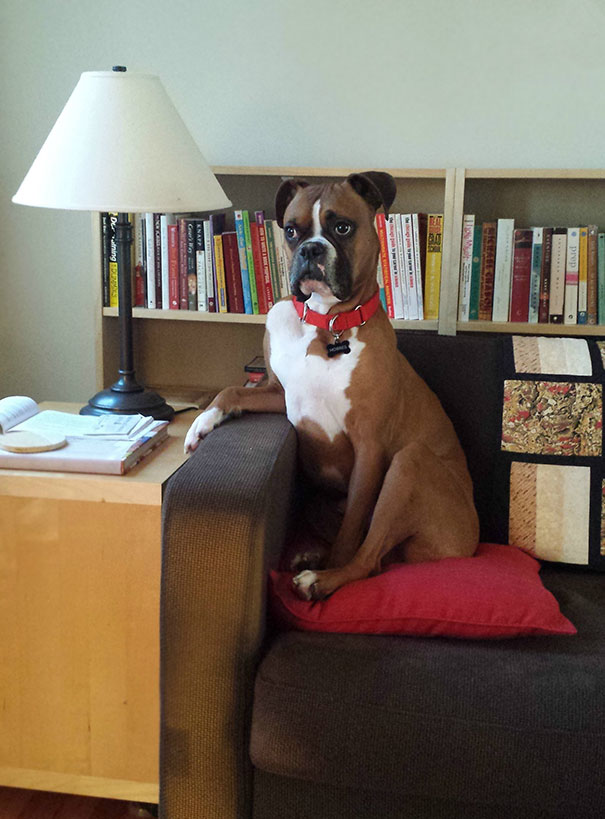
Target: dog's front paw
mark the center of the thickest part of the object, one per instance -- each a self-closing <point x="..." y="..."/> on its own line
<point x="203" y="424"/>
<point x="304" y="584"/>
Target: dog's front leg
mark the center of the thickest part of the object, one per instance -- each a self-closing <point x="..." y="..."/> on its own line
<point x="364" y="487"/>
<point x="233" y="401"/>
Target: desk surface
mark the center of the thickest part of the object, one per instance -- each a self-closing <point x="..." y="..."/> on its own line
<point x="142" y="485"/>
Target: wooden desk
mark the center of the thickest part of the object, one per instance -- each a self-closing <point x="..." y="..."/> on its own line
<point x="79" y="626"/>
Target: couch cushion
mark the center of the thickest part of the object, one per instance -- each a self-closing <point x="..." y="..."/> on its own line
<point x="550" y="486"/>
<point x="518" y="723"/>
<point x="496" y="593"/>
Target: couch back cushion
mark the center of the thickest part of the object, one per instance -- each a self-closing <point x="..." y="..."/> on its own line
<point x="465" y="372"/>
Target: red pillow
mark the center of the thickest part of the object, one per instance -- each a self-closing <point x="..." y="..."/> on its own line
<point x="496" y="593"/>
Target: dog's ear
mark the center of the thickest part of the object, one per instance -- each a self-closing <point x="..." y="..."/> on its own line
<point x="376" y="187"/>
<point x="286" y="193"/>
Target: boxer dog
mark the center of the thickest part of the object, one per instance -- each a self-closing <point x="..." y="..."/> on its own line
<point x="369" y="429"/>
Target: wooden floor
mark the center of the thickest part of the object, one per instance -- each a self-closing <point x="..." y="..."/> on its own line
<point x="19" y="804"/>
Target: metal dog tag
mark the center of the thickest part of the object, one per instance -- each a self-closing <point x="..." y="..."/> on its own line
<point x="338" y="348"/>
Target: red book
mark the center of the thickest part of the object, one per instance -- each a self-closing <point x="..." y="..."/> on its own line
<point x="264" y="252"/>
<point x="173" y="266"/>
<point x="183" y="264"/>
<point x="233" y="276"/>
<point x="258" y="269"/>
<point x="381" y="228"/>
<point x="519" y="296"/>
<point x="488" y="270"/>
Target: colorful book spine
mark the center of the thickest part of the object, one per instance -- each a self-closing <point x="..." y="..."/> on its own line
<point x="593" y="279"/>
<point x="409" y="265"/>
<point x="545" y="277"/>
<point x="394" y="266"/>
<point x="522" y="260"/>
<point x="381" y="229"/>
<point x="250" y="262"/>
<point x="488" y="268"/>
<point x="173" y="267"/>
<point x="140" y="278"/>
<point x="258" y="268"/>
<point x="419" y="228"/>
<point x="473" y="310"/>
<point x="243" y="261"/>
<point x="210" y="290"/>
<point x="166" y="219"/>
<point x="270" y="226"/>
<point x="434" y="253"/>
<point x="259" y="218"/>
<point x="191" y="267"/>
<point x="200" y="266"/>
<point x="233" y="278"/>
<point x="113" y="261"/>
<point x="219" y="271"/>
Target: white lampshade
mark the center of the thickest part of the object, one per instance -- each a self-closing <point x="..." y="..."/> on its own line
<point x="120" y="145"/>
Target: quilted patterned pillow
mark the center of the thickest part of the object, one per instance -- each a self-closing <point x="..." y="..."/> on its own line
<point x="551" y="448"/>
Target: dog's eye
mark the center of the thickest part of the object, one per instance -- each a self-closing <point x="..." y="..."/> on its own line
<point x="342" y="228"/>
<point x="290" y="232"/>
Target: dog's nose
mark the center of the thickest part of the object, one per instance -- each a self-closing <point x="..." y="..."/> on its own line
<point x="312" y="250"/>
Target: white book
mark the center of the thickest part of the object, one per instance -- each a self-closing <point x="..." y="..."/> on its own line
<point x="407" y="233"/>
<point x="417" y="264"/>
<point x="536" y="271"/>
<point x="283" y="263"/>
<point x="503" y="269"/>
<point x="466" y="266"/>
<point x="403" y="274"/>
<point x="106" y="444"/>
<point x="150" y="252"/>
<point x="556" y="303"/>
<point x="165" y="220"/>
<point x="572" y="269"/>
<point x="394" y="259"/>
<point x="202" y="292"/>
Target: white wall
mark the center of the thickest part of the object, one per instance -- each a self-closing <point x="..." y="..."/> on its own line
<point x="365" y="83"/>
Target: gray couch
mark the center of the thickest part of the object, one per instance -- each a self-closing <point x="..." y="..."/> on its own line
<point x="258" y="723"/>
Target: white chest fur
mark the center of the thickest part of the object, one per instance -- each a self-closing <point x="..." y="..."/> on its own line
<point x="314" y="386"/>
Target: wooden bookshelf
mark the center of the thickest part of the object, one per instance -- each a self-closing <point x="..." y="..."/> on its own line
<point x="209" y="350"/>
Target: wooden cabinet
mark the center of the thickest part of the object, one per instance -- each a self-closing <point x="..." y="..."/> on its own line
<point x="206" y="350"/>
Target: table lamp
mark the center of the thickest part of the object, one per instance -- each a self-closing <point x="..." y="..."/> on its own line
<point x="119" y="145"/>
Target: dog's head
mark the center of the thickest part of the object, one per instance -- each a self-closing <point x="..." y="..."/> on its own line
<point x="330" y="232"/>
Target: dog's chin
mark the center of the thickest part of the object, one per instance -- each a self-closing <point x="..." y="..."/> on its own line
<point x="309" y="286"/>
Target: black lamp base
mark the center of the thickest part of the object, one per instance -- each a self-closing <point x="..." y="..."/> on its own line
<point x="130" y="401"/>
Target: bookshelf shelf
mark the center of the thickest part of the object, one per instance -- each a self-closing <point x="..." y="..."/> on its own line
<point x="209" y="350"/>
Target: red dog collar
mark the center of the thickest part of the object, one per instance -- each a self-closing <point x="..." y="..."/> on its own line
<point x="345" y="321"/>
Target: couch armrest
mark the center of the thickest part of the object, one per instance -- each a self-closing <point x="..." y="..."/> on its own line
<point x="225" y="514"/>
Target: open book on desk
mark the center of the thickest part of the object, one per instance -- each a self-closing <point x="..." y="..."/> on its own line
<point x="107" y="444"/>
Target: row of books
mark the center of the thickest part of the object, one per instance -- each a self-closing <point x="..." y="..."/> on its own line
<point x="189" y="263"/>
<point x="535" y="275"/>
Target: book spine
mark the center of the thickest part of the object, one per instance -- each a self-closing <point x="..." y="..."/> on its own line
<point x="217" y="226"/>
<point x="583" y="277"/>
<point x="166" y="219"/>
<point x="191" y="266"/>
<point x="140" y="273"/>
<point x="545" y="277"/>
<point x="381" y="229"/>
<point x="104" y="220"/>
<point x="275" y="284"/>
<point x="536" y="270"/>
<point x="572" y="267"/>
<point x="403" y="276"/>
<point x="593" y="278"/>
<point x="258" y="268"/>
<point x="283" y="262"/>
<point x="410" y="266"/>
<point x="419" y="227"/>
<point x="173" y="267"/>
<point x="519" y="299"/>
<point x="200" y="266"/>
<point x="488" y="266"/>
<point x="466" y="267"/>
<point x="243" y="260"/>
<point x="394" y="266"/>
<point x="557" y="275"/>
<point x="473" y="310"/>
<point x="113" y="261"/>
<point x="157" y="246"/>
<point x="210" y="294"/>
<point x="434" y="252"/>
<point x="233" y="279"/>
<point x="503" y="269"/>
<point x="219" y="267"/>
<point x="601" y="276"/>
<point x="259" y="217"/>
<point x="250" y="262"/>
